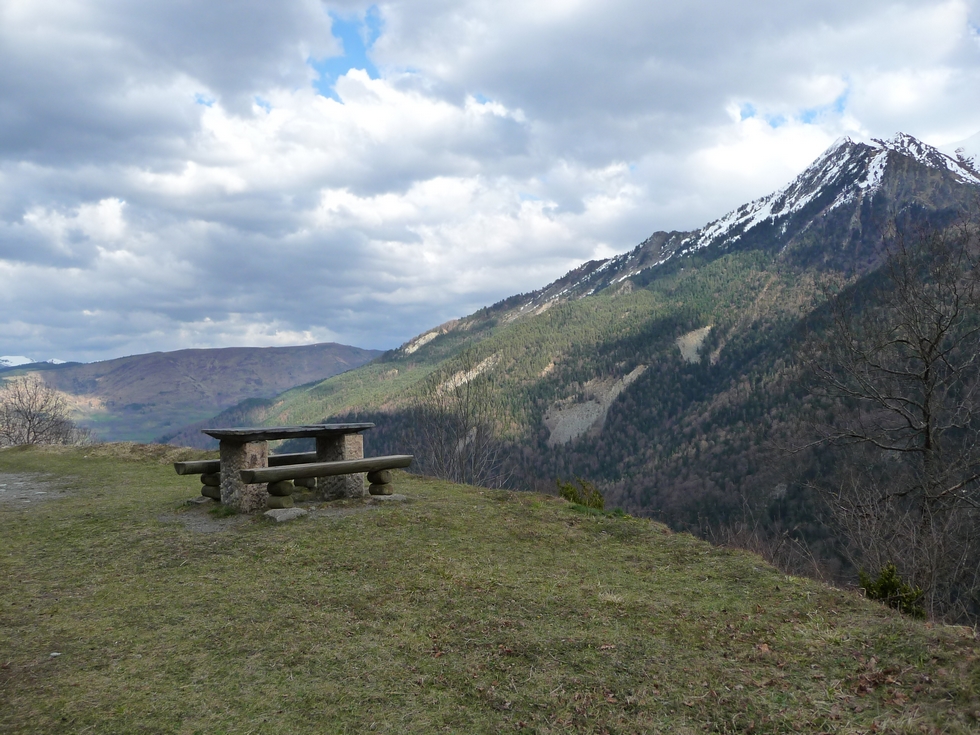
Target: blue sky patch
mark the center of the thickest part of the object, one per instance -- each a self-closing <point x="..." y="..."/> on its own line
<point x="357" y="35"/>
<point x="204" y="99"/>
<point x="812" y="114"/>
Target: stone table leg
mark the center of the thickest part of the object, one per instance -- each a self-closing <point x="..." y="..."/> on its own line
<point x="234" y="458"/>
<point x="333" y="449"/>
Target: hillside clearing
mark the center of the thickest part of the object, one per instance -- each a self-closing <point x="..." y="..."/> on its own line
<point x="464" y="610"/>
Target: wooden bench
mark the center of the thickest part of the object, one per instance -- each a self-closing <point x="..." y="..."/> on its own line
<point x="210" y="470"/>
<point x="213" y="466"/>
<point x="248" y="449"/>
<point x="281" y="479"/>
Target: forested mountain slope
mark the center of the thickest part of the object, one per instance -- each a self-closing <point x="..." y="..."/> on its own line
<point x="668" y="374"/>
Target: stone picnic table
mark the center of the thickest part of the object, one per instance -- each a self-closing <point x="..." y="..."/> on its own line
<point x="248" y="448"/>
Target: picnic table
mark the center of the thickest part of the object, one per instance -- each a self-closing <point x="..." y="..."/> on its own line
<point x="248" y="448"/>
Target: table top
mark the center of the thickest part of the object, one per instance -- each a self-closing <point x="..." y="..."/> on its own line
<point x="268" y="433"/>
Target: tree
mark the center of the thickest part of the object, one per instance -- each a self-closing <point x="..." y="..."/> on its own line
<point x="455" y="421"/>
<point x="901" y="367"/>
<point x="33" y="413"/>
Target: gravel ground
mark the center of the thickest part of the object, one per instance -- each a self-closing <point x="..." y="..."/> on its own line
<point x="22" y="491"/>
<point x="196" y="516"/>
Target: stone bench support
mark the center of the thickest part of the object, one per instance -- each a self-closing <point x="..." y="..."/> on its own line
<point x="234" y="459"/>
<point x="334" y="449"/>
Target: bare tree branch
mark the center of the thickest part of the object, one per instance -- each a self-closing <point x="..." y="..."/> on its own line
<point x="899" y="363"/>
<point x="33" y="413"/>
<point x="457" y="417"/>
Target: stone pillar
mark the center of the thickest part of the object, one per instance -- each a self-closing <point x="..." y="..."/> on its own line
<point x="333" y="449"/>
<point x="234" y="458"/>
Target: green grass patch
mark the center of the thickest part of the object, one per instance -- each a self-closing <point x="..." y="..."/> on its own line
<point x="614" y="513"/>
<point x="464" y="610"/>
<point x="222" y="511"/>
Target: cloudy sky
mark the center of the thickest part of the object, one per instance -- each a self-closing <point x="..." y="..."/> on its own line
<point x="177" y="173"/>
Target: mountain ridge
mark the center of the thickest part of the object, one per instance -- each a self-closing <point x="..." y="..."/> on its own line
<point x="141" y="397"/>
<point x="865" y="162"/>
<point x="690" y="439"/>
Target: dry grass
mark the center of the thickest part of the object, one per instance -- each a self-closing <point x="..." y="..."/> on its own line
<point x="462" y="611"/>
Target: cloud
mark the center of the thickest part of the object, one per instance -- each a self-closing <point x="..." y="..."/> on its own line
<point x="181" y="174"/>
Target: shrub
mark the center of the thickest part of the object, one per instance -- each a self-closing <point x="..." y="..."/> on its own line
<point x="585" y="494"/>
<point x="893" y="591"/>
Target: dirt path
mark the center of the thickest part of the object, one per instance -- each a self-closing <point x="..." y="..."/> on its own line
<point x="25" y="490"/>
<point x="197" y="516"/>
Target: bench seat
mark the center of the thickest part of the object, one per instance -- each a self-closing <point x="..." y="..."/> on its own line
<point x="324" y="469"/>
<point x="210" y="466"/>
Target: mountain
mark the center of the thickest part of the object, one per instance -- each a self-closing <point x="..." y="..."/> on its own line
<point x="668" y="375"/>
<point x="141" y="397"/>
<point x="966" y="152"/>
<point x="847" y="183"/>
<point x="9" y="361"/>
<point x="21" y="363"/>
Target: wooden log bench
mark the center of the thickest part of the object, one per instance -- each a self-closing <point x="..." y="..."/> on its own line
<point x="282" y="479"/>
<point x="210" y="471"/>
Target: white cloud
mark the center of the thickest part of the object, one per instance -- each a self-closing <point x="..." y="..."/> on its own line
<point x="101" y="222"/>
<point x="172" y="179"/>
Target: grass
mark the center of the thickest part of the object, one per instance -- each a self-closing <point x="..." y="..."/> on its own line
<point x="464" y="610"/>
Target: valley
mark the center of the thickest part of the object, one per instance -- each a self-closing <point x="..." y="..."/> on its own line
<point x="668" y="374"/>
<point x="146" y="397"/>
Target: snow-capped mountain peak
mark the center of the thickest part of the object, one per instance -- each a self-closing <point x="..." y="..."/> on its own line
<point x="965" y="152"/>
<point x="926" y="154"/>
<point x="9" y="361"/>
<point x="823" y="207"/>
<point x="847" y="169"/>
<point x="14" y="360"/>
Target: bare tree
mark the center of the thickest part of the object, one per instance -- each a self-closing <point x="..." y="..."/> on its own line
<point x="456" y="417"/>
<point x="33" y="413"/>
<point x="901" y="366"/>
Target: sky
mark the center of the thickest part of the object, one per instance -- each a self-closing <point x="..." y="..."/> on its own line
<point x="178" y="174"/>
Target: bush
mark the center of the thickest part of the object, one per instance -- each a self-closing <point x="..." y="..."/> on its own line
<point x="893" y="591"/>
<point x="585" y="494"/>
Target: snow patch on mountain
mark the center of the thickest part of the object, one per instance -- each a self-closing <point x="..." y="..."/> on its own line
<point x="8" y="361"/>
<point x="926" y="154"/>
<point x="965" y="152"/>
<point x="847" y="171"/>
<point x="14" y="360"/>
<point x="840" y="164"/>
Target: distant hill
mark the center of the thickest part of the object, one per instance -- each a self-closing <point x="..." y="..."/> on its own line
<point x="144" y="397"/>
<point x="9" y="361"/>
<point x="668" y="375"/>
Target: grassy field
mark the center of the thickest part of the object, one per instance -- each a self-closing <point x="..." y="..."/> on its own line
<point x="463" y="610"/>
